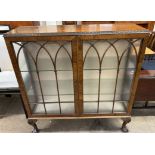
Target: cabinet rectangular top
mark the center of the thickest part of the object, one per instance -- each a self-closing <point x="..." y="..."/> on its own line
<point x="94" y="29"/>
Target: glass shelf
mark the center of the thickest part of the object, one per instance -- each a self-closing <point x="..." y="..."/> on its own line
<point x="66" y="108"/>
<point x="104" y="107"/>
<point x="45" y="64"/>
<point x="50" y="98"/>
<point x="91" y="85"/>
<point x="107" y="97"/>
<point x="65" y="84"/>
<point x="109" y="62"/>
<point x="49" y="91"/>
<point x="64" y="64"/>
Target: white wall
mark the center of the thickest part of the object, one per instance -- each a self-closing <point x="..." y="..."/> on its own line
<point x="5" y="62"/>
<point x="50" y="23"/>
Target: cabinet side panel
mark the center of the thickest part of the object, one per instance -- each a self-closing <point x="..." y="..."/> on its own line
<point x="137" y="73"/>
<point x="14" y="61"/>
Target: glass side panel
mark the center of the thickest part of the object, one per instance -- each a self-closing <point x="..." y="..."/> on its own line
<point x="46" y="68"/>
<point x="108" y="70"/>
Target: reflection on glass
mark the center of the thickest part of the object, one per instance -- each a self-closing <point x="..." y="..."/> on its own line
<point x="109" y="67"/>
<point x="46" y="68"/>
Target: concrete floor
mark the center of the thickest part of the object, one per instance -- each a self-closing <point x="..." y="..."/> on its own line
<point x="13" y="120"/>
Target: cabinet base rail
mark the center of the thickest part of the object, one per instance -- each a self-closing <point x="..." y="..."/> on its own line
<point x="123" y="128"/>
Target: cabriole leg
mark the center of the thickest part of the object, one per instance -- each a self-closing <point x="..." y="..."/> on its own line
<point x="125" y="122"/>
<point x="33" y="123"/>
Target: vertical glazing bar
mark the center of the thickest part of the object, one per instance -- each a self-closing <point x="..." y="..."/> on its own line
<point x="98" y="102"/>
<point x="55" y="71"/>
<point x="41" y="89"/>
<point x="112" y="45"/>
<point x="125" y="71"/>
<point x="115" y="89"/>
<point x="57" y="85"/>
<point x="56" y="76"/>
<point x="100" y="62"/>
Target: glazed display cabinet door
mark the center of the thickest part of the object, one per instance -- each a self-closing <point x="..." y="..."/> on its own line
<point x="108" y="72"/>
<point x="47" y="72"/>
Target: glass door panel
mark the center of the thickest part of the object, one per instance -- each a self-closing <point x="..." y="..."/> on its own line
<point x="46" y="69"/>
<point x="108" y="71"/>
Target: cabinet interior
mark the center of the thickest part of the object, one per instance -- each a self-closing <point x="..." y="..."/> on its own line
<point x="108" y="68"/>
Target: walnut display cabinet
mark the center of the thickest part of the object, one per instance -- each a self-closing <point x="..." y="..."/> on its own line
<point x="77" y="71"/>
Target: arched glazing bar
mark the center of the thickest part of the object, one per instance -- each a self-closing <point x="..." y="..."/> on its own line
<point x="98" y="57"/>
<point x="35" y="63"/>
<point x="88" y="50"/>
<point x="54" y="65"/>
<point x="92" y="45"/>
<point x="42" y="46"/>
<point x="39" y="51"/>
<point x="100" y="61"/>
<point x="21" y="47"/>
<point x="58" y="51"/>
<point x="62" y="46"/>
<point x="120" y="59"/>
<point x="111" y="45"/>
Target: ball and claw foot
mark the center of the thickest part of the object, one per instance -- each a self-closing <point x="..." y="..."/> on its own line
<point x="33" y="123"/>
<point x="35" y="130"/>
<point x="125" y="122"/>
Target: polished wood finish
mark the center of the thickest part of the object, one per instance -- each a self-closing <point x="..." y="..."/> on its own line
<point x="56" y="30"/>
<point x="75" y="74"/>
<point x="146" y="24"/>
<point x="80" y="73"/>
<point x="151" y="42"/>
<point x="77" y="35"/>
<point x="146" y="86"/>
<point x="69" y="22"/>
<point x="14" y="24"/>
<point x="97" y="22"/>
<point x="147" y="73"/>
